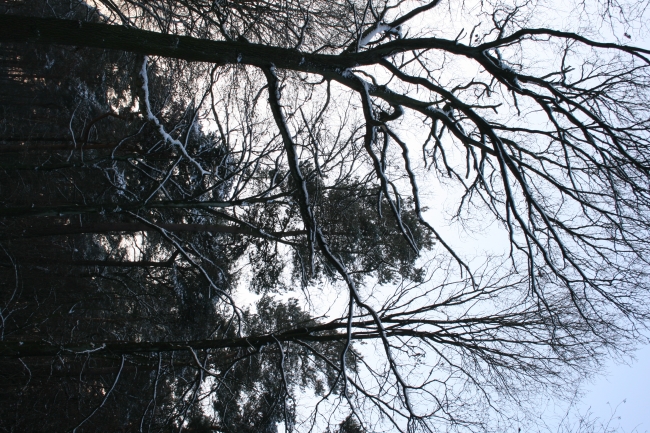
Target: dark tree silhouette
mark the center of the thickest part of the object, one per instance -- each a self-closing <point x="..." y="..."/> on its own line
<point x="163" y="163"/>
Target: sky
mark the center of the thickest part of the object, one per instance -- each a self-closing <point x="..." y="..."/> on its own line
<point x="624" y="388"/>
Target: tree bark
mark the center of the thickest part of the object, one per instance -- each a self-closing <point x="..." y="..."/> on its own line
<point x="102" y="263"/>
<point x="101" y="208"/>
<point x="20" y="349"/>
<point x="15" y="28"/>
<point x="111" y="227"/>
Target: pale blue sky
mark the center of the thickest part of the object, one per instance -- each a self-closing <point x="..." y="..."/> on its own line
<point x="623" y="382"/>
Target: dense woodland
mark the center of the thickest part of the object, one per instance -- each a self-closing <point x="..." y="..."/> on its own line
<point x="171" y="224"/>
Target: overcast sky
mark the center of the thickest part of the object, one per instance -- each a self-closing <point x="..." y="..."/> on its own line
<point x="629" y="383"/>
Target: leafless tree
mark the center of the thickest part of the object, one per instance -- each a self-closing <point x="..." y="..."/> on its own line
<point x="289" y="129"/>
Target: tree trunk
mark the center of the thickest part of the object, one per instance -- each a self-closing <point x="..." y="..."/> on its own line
<point x="16" y="28"/>
<point x="20" y="349"/>
<point x="110" y="227"/>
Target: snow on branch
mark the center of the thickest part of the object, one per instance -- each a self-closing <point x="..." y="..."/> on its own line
<point x="379" y="28"/>
<point x="166" y="136"/>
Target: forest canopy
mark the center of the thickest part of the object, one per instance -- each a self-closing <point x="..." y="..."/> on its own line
<point x="263" y="216"/>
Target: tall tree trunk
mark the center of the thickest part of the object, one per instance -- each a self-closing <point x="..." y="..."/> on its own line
<point x="20" y="349"/>
<point x="110" y="227"/>
<point x="16" y="28"/>
<point x="102" y="263"/>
